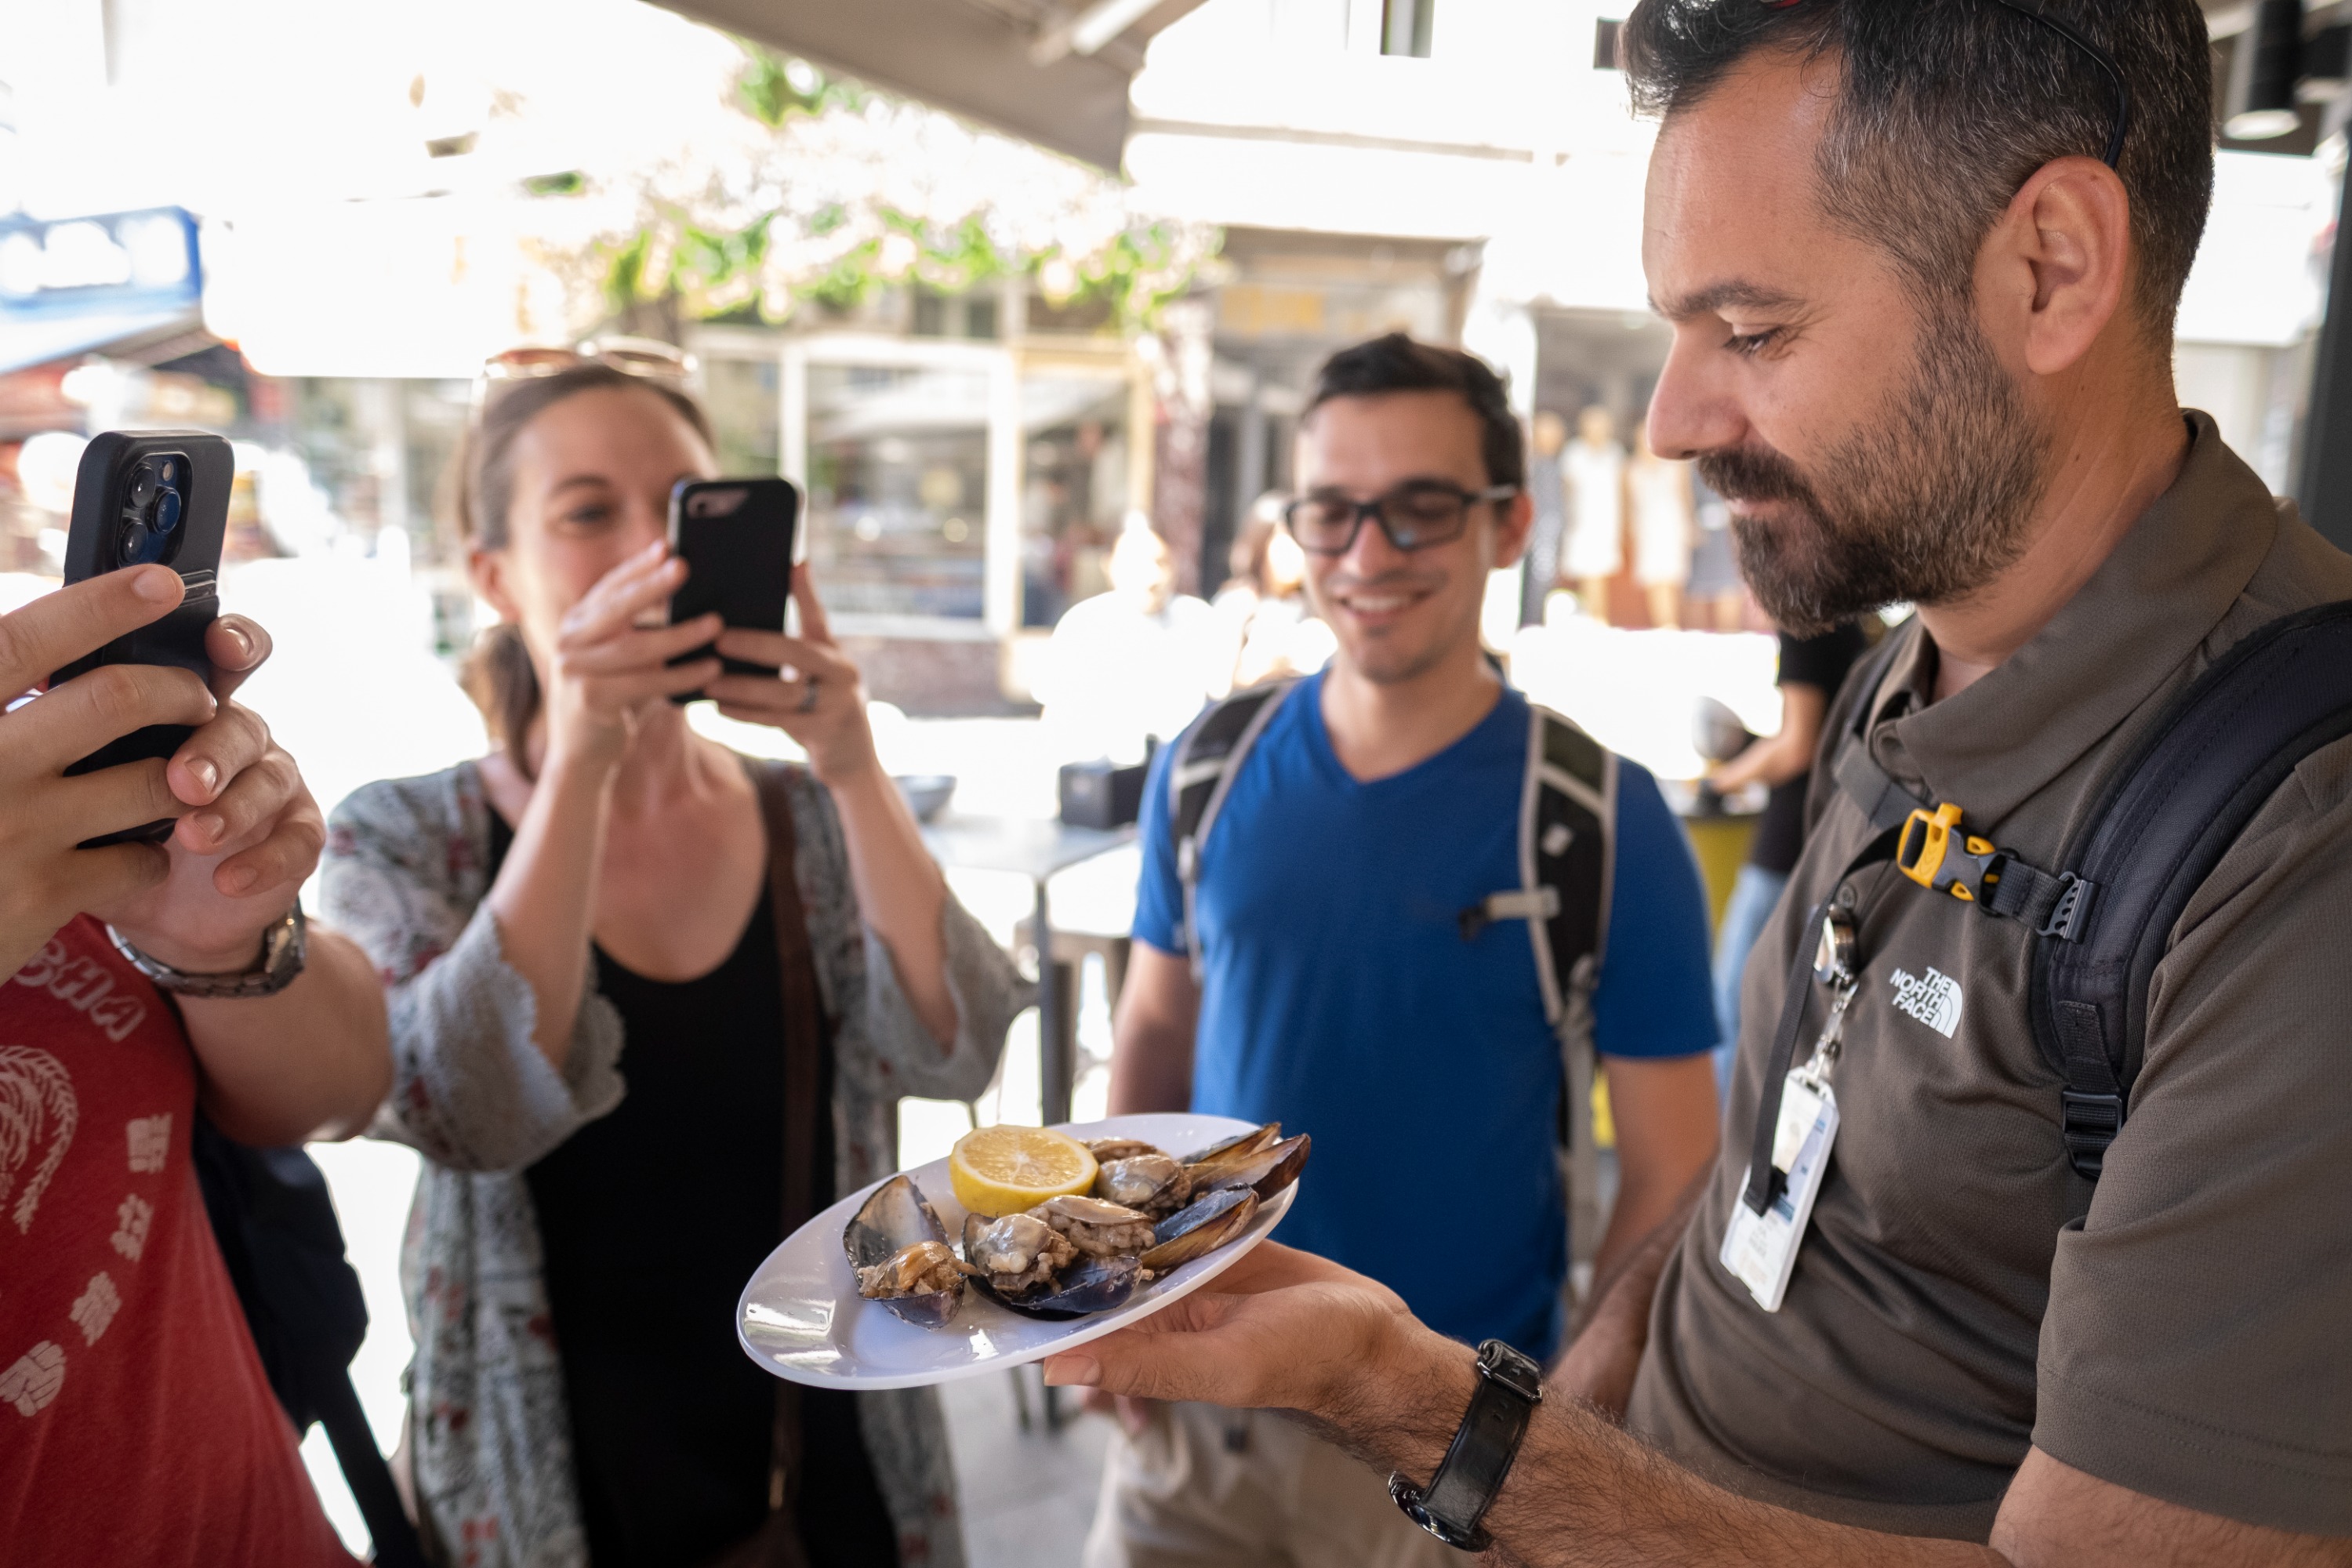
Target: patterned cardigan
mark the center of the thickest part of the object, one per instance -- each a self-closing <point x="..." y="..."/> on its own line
<point x="405" y="873"/>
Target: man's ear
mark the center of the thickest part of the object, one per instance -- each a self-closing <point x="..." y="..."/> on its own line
<point x="1513" y="519"/>
<point x="2056" y="270"/>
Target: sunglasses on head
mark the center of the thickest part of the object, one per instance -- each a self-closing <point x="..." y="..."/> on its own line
<point x="647" y="357"/>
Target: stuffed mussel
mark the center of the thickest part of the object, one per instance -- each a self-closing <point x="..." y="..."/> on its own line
<point x="1035" y="1269"/>
<point x="1147" y="1212"/>
<point x="901" y="1254"/>
<point x="1154" y="1183"/>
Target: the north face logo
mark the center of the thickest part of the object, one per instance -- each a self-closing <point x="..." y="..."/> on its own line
<point x="1933" y="999"/>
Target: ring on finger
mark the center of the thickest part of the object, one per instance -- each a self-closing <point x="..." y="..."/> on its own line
<point x="808" y="695"/>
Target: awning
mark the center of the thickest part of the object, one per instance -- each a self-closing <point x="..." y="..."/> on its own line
<point x="26" y="344"/>
<point x="72" y="285"/>
<point x="1055" y="76"/>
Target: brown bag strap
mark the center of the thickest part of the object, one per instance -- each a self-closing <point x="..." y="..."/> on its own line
<point x="804" y="1038"/>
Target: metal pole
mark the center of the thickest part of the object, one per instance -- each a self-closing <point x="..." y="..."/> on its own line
<point x="2326" y="489"/>
<point x="1055" y="1036"/>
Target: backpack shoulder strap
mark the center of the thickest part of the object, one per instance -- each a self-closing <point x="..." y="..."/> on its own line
<point x="1568" y="852"/>
<point x="2161" y="825"/>
<point x="275" y="1223"/>
<point x="1857" y="772"/>
<point x="1201" y="773"/>
<point x="1567" y="855"/>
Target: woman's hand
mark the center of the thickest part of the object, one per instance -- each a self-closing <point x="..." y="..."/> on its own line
<point x="819" y="701"/>
<point x="608" y="666"/>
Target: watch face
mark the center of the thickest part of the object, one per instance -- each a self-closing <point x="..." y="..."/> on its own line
<point x="285" y="942"/>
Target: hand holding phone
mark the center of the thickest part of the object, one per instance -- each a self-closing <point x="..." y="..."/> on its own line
<point x="153" y="498"/>
<point x="736" y="539"/>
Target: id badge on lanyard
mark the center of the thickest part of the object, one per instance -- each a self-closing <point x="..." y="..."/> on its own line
<point x="1759" y="1248"/>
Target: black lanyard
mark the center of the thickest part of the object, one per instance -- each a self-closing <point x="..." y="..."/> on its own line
<point x="1764" y="1179"/>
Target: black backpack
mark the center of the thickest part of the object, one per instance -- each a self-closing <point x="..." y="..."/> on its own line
<point x="1568" y="842"/>
<point x="2099" y="923"/>
<point x="276" y="1224"/>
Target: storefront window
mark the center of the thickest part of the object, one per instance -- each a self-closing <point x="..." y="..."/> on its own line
<point x="1075" y="488"/>
<point x="739" y="395"/>
<point x="898" y="466"/>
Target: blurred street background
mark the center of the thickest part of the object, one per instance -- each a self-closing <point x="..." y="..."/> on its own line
<point x="1001" y="283"/>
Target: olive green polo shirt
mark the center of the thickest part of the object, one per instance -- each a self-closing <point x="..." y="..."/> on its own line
<point x="2192" y="1338"/>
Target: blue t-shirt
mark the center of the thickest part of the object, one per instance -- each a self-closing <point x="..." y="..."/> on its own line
<point x="1340" y="999"/>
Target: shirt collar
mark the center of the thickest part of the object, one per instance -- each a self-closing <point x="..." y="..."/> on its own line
<point x="2108" y="650"/>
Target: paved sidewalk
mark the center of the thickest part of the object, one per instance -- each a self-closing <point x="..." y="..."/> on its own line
<point x="1028" y="1495"/>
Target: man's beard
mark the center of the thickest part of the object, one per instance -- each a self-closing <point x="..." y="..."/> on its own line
<point x="1926" y="506"/>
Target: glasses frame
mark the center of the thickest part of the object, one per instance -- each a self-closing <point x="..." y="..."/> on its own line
<point x="2039" y="11"/>
<point x="1372" y="511"/>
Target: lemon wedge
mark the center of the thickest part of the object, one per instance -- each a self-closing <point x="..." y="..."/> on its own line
<point x="1004" y="1170"/>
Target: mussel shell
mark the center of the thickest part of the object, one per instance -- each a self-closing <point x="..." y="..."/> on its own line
<point x="1153" y="1183"/>
<point x="1199" y="1229"/>
<point x="1106" y="1149"/>
<point x="1091" y="1285"/>
<point x="896" y="1216"/>
<point x="894" y="1219"/>
<point x="1088" y="1211"/>
<point x="1235" y="1148"/>
<point x="1265" y="1171"/>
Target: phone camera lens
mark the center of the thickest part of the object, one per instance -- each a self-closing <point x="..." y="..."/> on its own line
<point x="165" y="517"/>
<point x="137" y="546"/>
<point x="143" y="485"/>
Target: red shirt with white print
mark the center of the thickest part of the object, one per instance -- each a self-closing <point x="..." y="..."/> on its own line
<point x="136" y="1424"/>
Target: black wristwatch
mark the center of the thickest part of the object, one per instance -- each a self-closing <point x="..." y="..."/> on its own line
<point x="1510" y="1386"/>
<point x="284" y="947"/>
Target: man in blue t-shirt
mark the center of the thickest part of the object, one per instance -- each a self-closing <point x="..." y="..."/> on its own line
<point x="1340" y="996"/>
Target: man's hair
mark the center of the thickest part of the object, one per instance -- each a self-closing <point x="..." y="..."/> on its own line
<point x="1397" y="364"/>
<point x="1948" y="107"/>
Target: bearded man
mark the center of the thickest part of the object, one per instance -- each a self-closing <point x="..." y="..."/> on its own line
<point x="1921" y="264"/>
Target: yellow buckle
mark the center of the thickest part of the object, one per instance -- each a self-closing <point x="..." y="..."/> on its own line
<point x="1925" y="852"/>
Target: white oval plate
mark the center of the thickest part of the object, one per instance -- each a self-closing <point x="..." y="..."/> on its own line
<point x="801" y="1318"/>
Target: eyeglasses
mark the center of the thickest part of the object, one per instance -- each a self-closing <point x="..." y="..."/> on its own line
<point x="2039" y="11"/>
<point x="647" y="357"/>
<point x="1413" y="516"/>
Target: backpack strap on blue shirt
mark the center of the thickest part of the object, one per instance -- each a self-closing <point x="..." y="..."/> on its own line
<point x="1568" y="853"/>
<point x="1568" y="850"/>
<point x="1200" y="775"/>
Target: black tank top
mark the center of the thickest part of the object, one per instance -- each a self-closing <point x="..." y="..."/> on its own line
<point x="651" y="1219"/>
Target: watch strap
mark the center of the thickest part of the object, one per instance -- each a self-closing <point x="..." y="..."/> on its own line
<point x="284" y="948"/>
<point x="1451" y="1505"/>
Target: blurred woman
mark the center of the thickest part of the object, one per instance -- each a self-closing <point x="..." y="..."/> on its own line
<point x="1658" y="490"/>
<point x="1274" y="629"/>
<point x="1130" y="666"/>
<point x="652" y="1004"/>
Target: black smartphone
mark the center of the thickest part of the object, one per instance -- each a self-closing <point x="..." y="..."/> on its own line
<point x="736" y="539"/>
<point x="151" y="497"/>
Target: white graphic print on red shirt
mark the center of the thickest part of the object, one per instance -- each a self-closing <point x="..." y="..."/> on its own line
<point x="135" y="1422"/>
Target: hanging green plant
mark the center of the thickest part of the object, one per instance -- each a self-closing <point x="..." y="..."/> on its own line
<point x="830" y="223"/>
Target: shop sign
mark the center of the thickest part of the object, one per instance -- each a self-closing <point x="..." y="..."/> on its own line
<point x="117" y="264"/>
